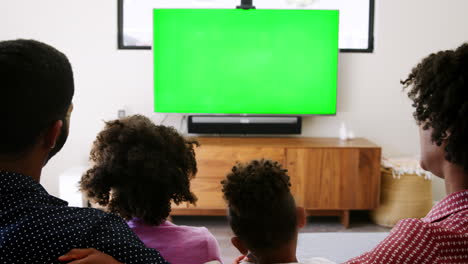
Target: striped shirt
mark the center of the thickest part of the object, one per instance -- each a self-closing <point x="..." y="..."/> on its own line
<point x="441" y="237"/>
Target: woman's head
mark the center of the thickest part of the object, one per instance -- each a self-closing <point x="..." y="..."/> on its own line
<point x="439" y="90"/>
<point x="262" y="210"/>
<point x="140" y="168"/>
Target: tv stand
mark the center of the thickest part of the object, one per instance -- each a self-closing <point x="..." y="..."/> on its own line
<point x="329" y="176"/>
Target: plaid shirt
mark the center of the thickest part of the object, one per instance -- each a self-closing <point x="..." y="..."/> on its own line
<point x="440" y="237"/>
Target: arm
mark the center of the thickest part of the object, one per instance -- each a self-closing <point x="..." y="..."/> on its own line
<point x="111" y="235"/>
<point x="213" y="250"/>
<point x="239" y="259"/>
<point x="87" y="256"/>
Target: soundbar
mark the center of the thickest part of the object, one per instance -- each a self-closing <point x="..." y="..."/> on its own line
<point x="244" y="125"/>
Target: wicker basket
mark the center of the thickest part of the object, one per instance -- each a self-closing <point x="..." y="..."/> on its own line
<point x="405" y="196"/>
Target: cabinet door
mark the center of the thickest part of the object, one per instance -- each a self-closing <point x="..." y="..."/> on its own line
<point x="335" y="179"/>
<point x="215" y="162"/>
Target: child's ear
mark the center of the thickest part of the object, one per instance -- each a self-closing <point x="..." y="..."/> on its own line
<point x="301" y="217"/>
<point x="240" y="245"/>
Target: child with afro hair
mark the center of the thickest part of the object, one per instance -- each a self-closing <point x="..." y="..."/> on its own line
<point x="263" y="214"/>
<point x="140" y="169"/>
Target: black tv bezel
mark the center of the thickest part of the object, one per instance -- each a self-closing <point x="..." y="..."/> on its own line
<point x="121" y="46"/>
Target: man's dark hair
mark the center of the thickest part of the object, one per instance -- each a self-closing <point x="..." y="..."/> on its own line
<point x="140" y="168"/>
<point x="439" y="90"/>
<point x="262" y="211"/>
<point x="36" y="89"/>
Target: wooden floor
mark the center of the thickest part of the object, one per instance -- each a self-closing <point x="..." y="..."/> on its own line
<point x="218" y="226"/>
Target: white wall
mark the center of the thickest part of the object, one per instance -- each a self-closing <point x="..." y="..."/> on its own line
<point x="107" y="79"/>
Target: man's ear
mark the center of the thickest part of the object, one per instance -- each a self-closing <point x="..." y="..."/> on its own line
<point x="239" y="245"/>
<point x="52" y="134"/>
<point x="301" y="217"/>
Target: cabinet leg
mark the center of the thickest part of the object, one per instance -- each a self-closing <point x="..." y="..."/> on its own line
<point x="345" y="218"/>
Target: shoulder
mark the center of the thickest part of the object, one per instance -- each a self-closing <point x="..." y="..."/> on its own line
<point x="197" y="232"/>
<point x="204" y="235"/>
<point x="203" y="239"/>
<point x="90" y="217"/>
<point x="107" y="223"/>
<point x="79" y="220"/>
<point x="210" y="239"/>
<point x="405" y="244"/>
<point x="98" y="228"/>
<point x="213" y="250"/>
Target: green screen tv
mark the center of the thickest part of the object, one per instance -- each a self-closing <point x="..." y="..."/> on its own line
<point x="234" y="61"/>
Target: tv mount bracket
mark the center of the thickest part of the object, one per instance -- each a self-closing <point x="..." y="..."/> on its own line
<point x="246" y="4"/>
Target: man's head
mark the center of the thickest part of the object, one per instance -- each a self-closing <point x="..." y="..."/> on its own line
<point x="439" y="90"/>
<point x="36" y="90"/>
<point x="262" y="210"/>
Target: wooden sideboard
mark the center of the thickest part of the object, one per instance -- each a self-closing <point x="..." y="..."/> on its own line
<point x="328" y="176"/>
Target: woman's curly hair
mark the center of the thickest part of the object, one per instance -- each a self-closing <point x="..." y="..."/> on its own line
<point x="262" y="211"/>
<point x="140" y="168"/>
<point x="439" y="90"/>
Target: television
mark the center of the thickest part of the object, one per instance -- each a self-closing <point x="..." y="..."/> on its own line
<point x="254" y="62"/>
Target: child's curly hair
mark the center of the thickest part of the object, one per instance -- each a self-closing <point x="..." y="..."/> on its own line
<point x="439" y="90"/>
<point x="262" y="211"/>
<point x="140" y="168"/>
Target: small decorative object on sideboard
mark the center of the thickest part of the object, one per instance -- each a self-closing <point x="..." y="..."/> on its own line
<point x="406" y="192"/>
<point x="343" y="133"/>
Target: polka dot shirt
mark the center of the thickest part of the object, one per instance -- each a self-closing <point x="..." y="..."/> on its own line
<point x="36" y="227"/>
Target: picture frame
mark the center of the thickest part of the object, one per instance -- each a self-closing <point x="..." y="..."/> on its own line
<point x="356" y="19"/>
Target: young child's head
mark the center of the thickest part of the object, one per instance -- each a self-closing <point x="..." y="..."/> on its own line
<point x="262" y="210"/>
<point x="139" y="169"/>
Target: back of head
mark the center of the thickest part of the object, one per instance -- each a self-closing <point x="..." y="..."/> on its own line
<point x="36" y="89"/>
<point x="140" y="168"/>
<point x="262" y="211"/>
<point x="439" y="90"/>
